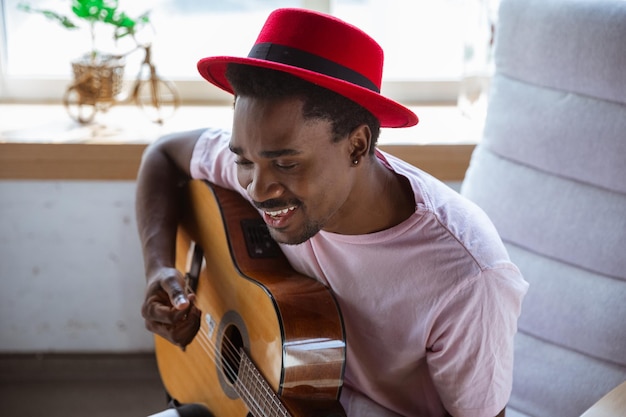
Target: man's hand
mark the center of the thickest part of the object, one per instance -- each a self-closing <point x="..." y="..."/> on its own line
<point x="165" y="166"/>
<point x="168" y="310"/>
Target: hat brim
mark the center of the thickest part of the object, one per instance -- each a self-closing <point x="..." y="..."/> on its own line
<point x="387" y="111"/>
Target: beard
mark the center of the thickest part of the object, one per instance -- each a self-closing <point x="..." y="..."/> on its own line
<point x="310" y="229"/>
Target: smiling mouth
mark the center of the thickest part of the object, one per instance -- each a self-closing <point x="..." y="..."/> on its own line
<point x="279" y="213"/>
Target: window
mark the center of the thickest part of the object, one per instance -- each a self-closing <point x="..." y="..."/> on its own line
<point x="423" y="42"/>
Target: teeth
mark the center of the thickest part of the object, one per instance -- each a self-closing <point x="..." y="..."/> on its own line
<point x="279" y="212"/>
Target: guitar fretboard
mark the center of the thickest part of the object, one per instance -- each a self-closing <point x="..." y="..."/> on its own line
<point x="255" y="392"/>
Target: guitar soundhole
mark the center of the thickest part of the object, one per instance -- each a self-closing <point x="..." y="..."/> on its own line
<point x="232" y="337"/>
<point x="230" y="353"/>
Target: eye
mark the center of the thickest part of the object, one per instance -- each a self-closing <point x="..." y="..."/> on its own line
<point x="243" y="162"/>
<point x="286" y="165"/>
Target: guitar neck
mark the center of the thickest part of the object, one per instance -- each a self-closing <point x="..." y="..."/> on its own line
<point x="255" y="392"/>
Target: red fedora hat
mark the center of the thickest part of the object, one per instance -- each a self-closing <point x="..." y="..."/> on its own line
<point x="323" y="50"/>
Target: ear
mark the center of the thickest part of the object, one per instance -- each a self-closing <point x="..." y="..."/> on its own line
<point x="360" y="141"/>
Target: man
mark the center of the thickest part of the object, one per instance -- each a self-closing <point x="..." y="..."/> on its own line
<point x="428" y="295"/>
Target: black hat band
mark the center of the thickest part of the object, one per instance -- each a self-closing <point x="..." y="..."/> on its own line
<point x="305" y="60"/>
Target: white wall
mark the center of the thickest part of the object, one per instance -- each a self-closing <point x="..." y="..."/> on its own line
<point x="70" y="268"/>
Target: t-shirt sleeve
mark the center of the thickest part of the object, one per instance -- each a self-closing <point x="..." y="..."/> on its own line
<point x="213" y="161"/>
<point x="470" y="352"/>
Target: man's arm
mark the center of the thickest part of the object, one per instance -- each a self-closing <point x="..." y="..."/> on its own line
<point x="165" y="167"/>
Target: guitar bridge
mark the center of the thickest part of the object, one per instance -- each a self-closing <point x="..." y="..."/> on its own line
<point x="259" y="243"/>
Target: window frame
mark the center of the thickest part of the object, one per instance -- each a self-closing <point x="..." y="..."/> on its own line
<point x="17" y="89"/>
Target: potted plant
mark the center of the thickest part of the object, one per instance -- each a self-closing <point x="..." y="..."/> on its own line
<point x="99" y="74"/>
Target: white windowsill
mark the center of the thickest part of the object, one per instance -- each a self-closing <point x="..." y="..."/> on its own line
<point x="49" y="123"/>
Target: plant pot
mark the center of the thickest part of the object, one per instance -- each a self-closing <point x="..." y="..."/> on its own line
<point x="98" y="80"/>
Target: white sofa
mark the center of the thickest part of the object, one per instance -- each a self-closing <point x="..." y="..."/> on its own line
<point x="550" y="171"/>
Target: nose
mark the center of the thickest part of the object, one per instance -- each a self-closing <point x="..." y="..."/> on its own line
<point x="260" y="184"/>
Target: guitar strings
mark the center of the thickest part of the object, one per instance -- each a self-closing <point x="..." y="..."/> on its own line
<point x="208" y="346"/>
<point x="232" y="356"/>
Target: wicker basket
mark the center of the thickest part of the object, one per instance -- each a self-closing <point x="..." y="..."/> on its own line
<point x="98" y="82"/>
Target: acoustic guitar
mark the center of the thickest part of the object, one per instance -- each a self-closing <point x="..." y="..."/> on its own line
<point x="271" y="341"/>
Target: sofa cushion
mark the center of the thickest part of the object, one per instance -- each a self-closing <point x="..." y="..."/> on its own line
<point x="567" y="220"/>
<point x="570" y="45"/>
<point x="550" y="172"/>
<point x="562" y="133"/>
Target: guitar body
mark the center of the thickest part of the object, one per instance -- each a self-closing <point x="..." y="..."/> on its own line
<point x="253" y="302"/>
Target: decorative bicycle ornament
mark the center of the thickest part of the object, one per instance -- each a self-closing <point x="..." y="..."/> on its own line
<point x="98" y="86"/>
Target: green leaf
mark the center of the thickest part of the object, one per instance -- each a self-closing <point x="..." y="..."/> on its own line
<point x="104" y="11"/>
<point x="65" y="21"/>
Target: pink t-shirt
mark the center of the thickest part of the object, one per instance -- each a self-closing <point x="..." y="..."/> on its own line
<point x="430" y="306"/>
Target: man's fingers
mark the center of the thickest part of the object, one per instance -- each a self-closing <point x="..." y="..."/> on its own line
<point x="161" y="329"/>
<point x="174" y="286"/>
<point x="158" y="309"/>
<point x="180" y="301"/>
<point x="168" y="310"/>
<point x="182" y="331"/>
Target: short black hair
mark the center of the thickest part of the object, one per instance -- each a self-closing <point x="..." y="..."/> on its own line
<point x="318" y="102"/>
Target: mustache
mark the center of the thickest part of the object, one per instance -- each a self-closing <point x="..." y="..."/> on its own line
<point x="275" y="203"/>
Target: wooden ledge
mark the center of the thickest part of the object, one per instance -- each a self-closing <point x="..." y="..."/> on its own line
<point x="40" y="142"/>
<point x="69" y="161"/>
<point x="77" y="161"/>
<point x="446" y="162"/>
